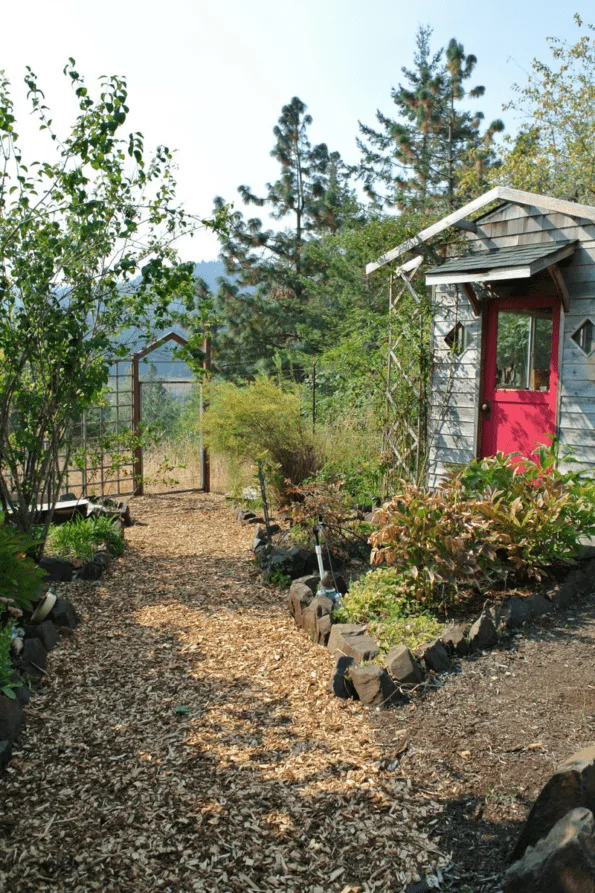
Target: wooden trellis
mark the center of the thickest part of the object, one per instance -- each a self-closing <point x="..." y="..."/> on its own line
<point x="405" y="436"/>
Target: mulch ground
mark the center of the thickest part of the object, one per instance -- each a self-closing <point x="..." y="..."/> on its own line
<point x="185" y="739"/>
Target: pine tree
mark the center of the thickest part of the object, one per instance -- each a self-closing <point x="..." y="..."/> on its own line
<point x="418" y="159"/>
<point x="264" y="304"/>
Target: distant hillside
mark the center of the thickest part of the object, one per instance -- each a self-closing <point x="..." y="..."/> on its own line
<point x="209" y="270"/>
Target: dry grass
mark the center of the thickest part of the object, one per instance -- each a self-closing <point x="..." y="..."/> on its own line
<point x="263" y="783"/>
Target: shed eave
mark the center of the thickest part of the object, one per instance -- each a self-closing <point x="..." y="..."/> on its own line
<point x="550" y="257"/>
<point x="487" y="276"/>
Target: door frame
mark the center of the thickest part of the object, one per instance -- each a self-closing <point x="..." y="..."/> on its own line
<point x="481" y="379"/>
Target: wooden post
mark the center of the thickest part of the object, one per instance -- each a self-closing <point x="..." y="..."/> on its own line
<point x="136" y="427"/>
<point x="314" y="396"/>
<point x="205" y="464"/>
<point x="265" y="502"/>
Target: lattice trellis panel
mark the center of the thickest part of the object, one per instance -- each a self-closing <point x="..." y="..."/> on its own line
<point x="405" y="432"/>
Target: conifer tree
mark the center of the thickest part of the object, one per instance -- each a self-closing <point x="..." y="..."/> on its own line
<point x="418" y="159"/>
<point x="264" y="304"/>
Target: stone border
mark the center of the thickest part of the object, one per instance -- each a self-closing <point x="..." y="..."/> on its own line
<point x="402" y="672"/>
<point x="29" y="666"/>
<point x="30" y="661"/>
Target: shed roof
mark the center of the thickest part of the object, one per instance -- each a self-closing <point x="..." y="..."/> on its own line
<point x="499" y="193"/>
<point x="519" y="262"/>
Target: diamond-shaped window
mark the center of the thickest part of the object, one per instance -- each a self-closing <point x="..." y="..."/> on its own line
<point x="585" y="336"/>
<point x="458" y="339"/>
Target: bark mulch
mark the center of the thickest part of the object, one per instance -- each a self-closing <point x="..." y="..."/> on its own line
<point x="484" y="743"/>
<point x="185" y="740"/>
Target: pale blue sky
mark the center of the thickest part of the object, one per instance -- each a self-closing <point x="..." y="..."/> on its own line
<point x="209" y="78"/>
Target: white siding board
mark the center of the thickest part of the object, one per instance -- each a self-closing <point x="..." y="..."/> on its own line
<point x="453" y="424"/>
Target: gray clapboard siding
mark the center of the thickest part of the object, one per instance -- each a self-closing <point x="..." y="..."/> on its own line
<point x="455" y="381"/>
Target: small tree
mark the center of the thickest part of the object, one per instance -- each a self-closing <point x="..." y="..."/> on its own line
<point x="85" y="252"/>
<point x="263" y="422"/>
<point x="265" y="304"/>
<point x="419" y="159"/>
<point x="553" y="153"/>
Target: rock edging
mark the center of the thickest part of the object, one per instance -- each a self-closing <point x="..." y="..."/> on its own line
<point x="353" y="647"/>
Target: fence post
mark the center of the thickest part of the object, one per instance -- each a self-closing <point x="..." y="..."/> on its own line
<point x="136" y="427"/>
<point x="205" y="464"/>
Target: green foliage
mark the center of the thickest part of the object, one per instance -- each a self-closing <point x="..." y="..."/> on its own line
<point x="20" y="578"/>
<point x="420" y="159"/>
<point x="82" y="537"/>
<point x="325" y="500"/>
<point x="382" y="600"/>
<point x="161" y="411"/>
<point x="553" y="153"/>
<point x="278" y="578"/>
<point x="498" y="521"/>
<point x="264" y="307"/>
<point x="86" y="251"/>
<point x="7" y="685"/>
<point x="262" y="421"/>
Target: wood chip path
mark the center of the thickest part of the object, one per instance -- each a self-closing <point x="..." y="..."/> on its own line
<point x="185" y="739"/>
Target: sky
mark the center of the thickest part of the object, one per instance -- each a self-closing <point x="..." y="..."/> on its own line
<point x="209" y="77"/>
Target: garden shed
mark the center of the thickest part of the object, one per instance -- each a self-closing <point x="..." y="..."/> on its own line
<point x="512" y="327"/>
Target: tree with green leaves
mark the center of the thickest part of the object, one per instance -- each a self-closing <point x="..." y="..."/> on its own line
<point x="264" y="304"/>
<point x="86" y="251"/>
<point x="160" y="408"/>
<point x="419" y="159"/>
<point x="554" y="151"/>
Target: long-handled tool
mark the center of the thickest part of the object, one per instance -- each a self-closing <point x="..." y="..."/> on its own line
<point x="328" y="583"/>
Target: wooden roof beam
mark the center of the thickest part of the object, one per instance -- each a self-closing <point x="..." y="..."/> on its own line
<point x="556" y="274"/>
<point x="503" y="193"/>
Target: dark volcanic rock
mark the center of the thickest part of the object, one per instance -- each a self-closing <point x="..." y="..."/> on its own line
<point x="403" y="667"/>
<point x="436" y="658"/>
<point x="482" y="634"/>
<point x="63" y="614"/>
<point x="341" y="684"/>
<point x="5" y="753"/>
<point x="319" y="607"/>
<point x="562" y="862"/>
<point x="12" y="718"/>
<point x="45" y="631"/>
<point x="33" y="658"/>
<point x="323" y="629"/>
<point x="572" y="786"/>
<point x="300" y="596"/>
<point x="57" y="570"/>
<point x="92" y="570"/>
<point x="455" y="640"/>
<point x="360" y="647"/>
<point x="519" y="611"/>
<point x="340" y="631"/>
<point x="375" y="687"/>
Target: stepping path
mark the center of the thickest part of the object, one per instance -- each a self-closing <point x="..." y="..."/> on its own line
<point x="185" y="739"/>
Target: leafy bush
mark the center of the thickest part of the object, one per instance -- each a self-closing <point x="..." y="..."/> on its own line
<point x="498" y="520"/>
<point x="7" y="685"/>
<point x="20" y="578"/>
<point x="359" y="477"/>
<point x="262" y="421"/>
<point x="382" y="599"/>
<point x="327" y="501"/>
<point x="81" y="537"/>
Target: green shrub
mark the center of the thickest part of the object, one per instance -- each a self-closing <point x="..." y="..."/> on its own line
<point x="327" y="501"/>
<point x="81" y="537"/>
<point x="496" y="521"/>
<point x="382" y="599"/>
<point x="20" y="578"/>
<point x="262" y="421"/>
<point x="360" y="478"/>
<point x="7" y="685"/>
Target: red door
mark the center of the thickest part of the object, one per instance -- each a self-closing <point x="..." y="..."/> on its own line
<point x="520" y="386"/>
